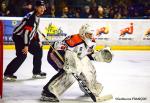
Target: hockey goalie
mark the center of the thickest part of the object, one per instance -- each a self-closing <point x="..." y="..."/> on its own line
<point x="74" y="55"/>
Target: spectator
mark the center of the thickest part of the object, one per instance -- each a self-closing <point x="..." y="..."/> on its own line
<point x="77" y="13"/>
<point x="27" y="7"/>
<point x="111" y="13"/>
<point x="107" y="12"/>
<point x="86" y="12"/>
<point x="147" y="12"/>
<point x="80" y="8"/>
<point x="100" y="12"/>
<point x="14" y="7"/>
<point x="3" y="10"/>
<point x="50" y="11"/>
<point x="66" y="13"/>
<point x="125" y="13"/>
<point x="118" y="12"/>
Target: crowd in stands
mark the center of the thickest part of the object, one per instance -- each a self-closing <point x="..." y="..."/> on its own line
<point x="104" y="9"/>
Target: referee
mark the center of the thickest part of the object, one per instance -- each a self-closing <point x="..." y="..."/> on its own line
<point x="26" y="39"/>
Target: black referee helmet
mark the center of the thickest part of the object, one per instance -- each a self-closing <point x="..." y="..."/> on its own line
<point x="39" y="3"/>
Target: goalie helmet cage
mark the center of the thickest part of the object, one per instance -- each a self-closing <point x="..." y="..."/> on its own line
<point x="1" y="58"/>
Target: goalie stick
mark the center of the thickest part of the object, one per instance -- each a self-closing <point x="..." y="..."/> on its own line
<point x="81" y="83"/>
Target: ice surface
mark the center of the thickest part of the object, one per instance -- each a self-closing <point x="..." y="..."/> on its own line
<point x="126" y="77"/>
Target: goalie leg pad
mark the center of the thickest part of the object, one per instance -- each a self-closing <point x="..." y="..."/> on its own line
<point x="59" y="85"/>
<point x="88" y="76"/>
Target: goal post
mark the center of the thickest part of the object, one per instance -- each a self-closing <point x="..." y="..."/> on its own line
<point x="1" y="58"/>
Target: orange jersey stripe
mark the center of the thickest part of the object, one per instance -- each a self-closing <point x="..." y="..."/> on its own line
<point x="74" y="40"/>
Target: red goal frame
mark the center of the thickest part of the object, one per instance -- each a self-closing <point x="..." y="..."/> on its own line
<point x="1" y="58"/>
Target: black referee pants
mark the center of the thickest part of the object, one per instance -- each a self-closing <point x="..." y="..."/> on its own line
<point x="34" y="49"/>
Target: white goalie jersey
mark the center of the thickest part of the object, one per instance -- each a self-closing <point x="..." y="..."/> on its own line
<point x="84" y="48"/>
<point x="78" y="53"/>
<point x="75" y="44"/>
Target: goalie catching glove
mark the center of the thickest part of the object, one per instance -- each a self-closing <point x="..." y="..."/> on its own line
<point x="104" y="55"/>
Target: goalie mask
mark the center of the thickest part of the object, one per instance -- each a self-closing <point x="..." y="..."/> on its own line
<point x="85" y="29"/>
<point x="86" y="32"/>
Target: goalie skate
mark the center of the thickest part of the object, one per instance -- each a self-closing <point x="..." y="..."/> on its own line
<point x="48" y="99"/>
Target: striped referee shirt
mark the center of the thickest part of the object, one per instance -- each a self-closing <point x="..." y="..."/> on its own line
<point x="27" y="28"/>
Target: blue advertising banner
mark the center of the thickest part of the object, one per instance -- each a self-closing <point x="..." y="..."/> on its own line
<point x="9" y="26"/>
<point x="52" y="31"/>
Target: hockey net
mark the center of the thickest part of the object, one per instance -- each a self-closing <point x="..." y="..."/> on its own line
<point x="1" y="58"/>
